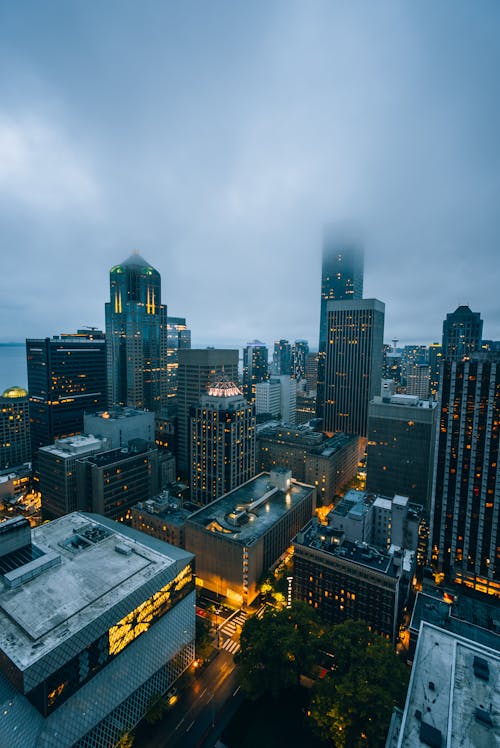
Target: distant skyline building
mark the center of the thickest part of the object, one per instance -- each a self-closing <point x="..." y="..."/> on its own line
<point x="341" y="280"/>
<point x="136" y="336"/>
<point x="222" y="442"/>
<point x="465" y="525"/>
<point x="418" y="380"/>
<point x="255" y="367"/>
<point x="300" y="352"/>
<point x="435" y="362"/>
<point x="282" y="357"/>
<point x="268" y="398"/>
<point x="353" y="371"/>
<point x="66" y="378"/>
<point x="198" y="369"/>
<point x="15" y="445"/>
<point x="462" y="334"/>
<point x="178" y="336"/>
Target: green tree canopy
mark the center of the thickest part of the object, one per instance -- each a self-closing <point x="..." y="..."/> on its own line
<point x="277" y="649"/>
<point x="352" y="705"/>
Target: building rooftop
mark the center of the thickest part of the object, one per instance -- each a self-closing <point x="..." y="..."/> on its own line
<point x="102" y="459"/>
<point x="411" y="401"/>
<point x="164" y="506"/>
<point x="118" y="413"/>
<point x="314" y="442"/>
<point x="248" y="512"/>
<point x="453" y="697"/>
<point x="327" y="540"/>
<point x="96" y="565"/>
<point x="463" y="616"/>
<point x="74" y="445"/>
<point x="354" y="503"/>
<point x="14" y="393"/>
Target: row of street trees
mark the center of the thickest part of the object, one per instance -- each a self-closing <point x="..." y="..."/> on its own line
<point x="362" y="679"/>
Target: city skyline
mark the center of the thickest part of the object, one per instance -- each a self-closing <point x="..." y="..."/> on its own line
<point x="132" y="131"/>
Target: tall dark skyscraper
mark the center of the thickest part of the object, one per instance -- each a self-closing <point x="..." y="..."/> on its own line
<point x="198" y="369"/>
<point x="465" y="514"/>
<point x="255" y="367"/>
<point x="282" y="357"/>
<point x="341" y="280"/>
<point x="435" y="361"/>
<point x="353" y="372"/>
<point x="462" y="334"/>
<point x="179" y="336"/>
<point x="136" y="336"/>
<point x="66" y="378"/>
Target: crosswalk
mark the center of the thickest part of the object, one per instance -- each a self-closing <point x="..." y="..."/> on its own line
<point x="260" y="610"/>
<point x="231" y="646"/>
<point x="230" y="628"/>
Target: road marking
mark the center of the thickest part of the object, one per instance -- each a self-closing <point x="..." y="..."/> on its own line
<point x="235" y="692"/>
<point x="190" y="726"/>
<point x="180" y="723"/>
<point x="210" y="699"/>
<point x="201" y="694"/>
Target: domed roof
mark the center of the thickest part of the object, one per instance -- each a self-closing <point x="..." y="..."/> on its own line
<point x="13" y="392"/>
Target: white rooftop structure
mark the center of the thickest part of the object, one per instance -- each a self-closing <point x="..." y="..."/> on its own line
<point x="454" y="693"/>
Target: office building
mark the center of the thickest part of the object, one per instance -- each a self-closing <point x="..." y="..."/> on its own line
<point x="238" y="537"/>
<point x="305" y="409"/>
<point x="312" y="373"/>
<point x="282" y="357"/>
<point x="412" y="356"/>
<point x="268" y="398"/>
<point x="96" y="620"/>
<point x="435" y="361"/>
<point x="57" y="472"/>
<point x="288" y="398"/>
<point x="178" y="336"/>
<point x="465" y="526"/>
<point x="341" y="280"/>
<point x="136" y="337"/>
<point x="300" y="352"/>
<point x="327" y="463"/>
<point x="418" y="380"/>
<point x="15" y="445"/>
<point x="453" y="697"/>
<point x="353" y="363"/>
<point x="255" y="367"/>
<point x="162" y="517"/>
<point x="344" y="580"/>
<point x="197" y="370"/>
<point x="66" y="378"/>
<point x="222" y="442"/>
<point x="462" y="334"/>
<point x="119" y="425"/>
<point x="400" y="450"/>
<point x="111" y="482"/>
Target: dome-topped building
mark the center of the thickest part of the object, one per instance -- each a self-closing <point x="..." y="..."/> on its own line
<point x="15" y="447"/>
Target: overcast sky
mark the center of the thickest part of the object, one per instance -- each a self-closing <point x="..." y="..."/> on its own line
<point x="219" y="137"/>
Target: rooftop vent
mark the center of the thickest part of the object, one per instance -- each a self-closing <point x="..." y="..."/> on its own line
<point x="430" y="735"/>
<point x="94" y="533"/>
<point x="481" y="668"/>
<point x="123" y="548"/>
<point x="483" y="717"/>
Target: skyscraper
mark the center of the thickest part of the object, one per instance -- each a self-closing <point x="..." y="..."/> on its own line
<point x="462" y="334"/>
<point x="197" y="370"/>
<point x="179" y="336"/>
<point x="300" y="352"/>
<point x="282" y="357"/>
<point x="255" y="367"/>
<point x="353" y="371"/>
<point x="136" y="336"/>
<point x="341" y="280"/>
<point x="66" y="378"/>
<point x="15" y="448"/>
<point x="465" y="524"/>
<point x="222" y="442"/>
<point x="435" y="361"/>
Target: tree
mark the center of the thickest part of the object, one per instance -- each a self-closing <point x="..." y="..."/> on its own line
<point x="277" y="649"/>
<point x="352" y="705"/>
<point x="156" y="709"/>
<point x="203" y="639"/>
<point x="126" y="740"/>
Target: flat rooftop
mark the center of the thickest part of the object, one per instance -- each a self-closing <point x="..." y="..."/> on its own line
<point x="237" y="515"/>
<point x="103" y="459"/>
<point x="353" y="503"/>
<point x="92" y="576"/>
<point x="453" y="698"/>
<point x="72" y="446"/>
<point x="119" y="413"/>
<point x="327" y="540"/>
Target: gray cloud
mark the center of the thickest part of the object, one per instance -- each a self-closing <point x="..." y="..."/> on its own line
<point x="219" y="139"/>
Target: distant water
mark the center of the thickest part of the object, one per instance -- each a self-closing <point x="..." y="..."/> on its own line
<point x="13" y="366"/>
